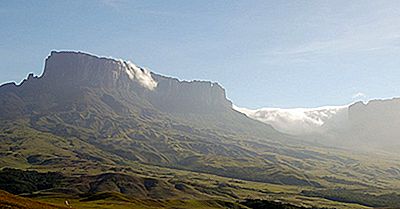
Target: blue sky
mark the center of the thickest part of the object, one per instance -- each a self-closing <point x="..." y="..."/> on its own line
<point x="265" y="53"/>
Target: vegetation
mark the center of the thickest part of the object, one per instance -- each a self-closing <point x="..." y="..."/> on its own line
<point x="265" y="204"/>
<point x="17" y="182"/>
<point x="198" y="190"/>
<point x="110" y="146"/>
<point x="10" y="201"/>
<point x="349" y="196"/>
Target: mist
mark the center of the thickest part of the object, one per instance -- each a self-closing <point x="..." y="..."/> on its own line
<point x="141" y="75"/>
<point x="299" y="121"/>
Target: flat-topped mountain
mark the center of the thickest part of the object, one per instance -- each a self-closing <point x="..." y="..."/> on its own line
<point x="375" y="124"/>
<point x="89" y="115"/>
<point x="131" y="114"/>
<point x="68" y="76"/>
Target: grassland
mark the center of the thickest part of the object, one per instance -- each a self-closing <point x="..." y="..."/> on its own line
<point x="196" y="164"/>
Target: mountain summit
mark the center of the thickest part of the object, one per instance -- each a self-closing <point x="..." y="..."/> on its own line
<point x="76" y="68"/>
<point x="70" y="76"/>
<point x="89" y="113"/>
<point x="127" y="113"/>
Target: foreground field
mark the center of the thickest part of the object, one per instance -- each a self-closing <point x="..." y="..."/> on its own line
<point x="180" y="190"/>
<point x="8" y="200"/>
<point x="117" y="201"/>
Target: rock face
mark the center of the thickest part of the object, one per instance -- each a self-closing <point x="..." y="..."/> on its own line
<point x="377" y="123"/>
<point x="173" y="95"/>
<point x="376" y="111"/>
<point x="70" y="76"/>
<point x="79" y="69"/>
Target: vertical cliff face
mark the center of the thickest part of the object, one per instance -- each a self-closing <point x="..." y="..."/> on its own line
<point x="68" y="76"/>
<point x="376" y="115"/>
<point x="375" y="111"/>
<point x="83" y="70"/>
<point x="172" y="95"/>
<point x="377" y="123"/>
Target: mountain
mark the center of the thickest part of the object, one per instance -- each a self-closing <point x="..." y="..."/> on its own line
<point x="120" y="112"/>
<point x="78" y="73"/>
<point x="375" y="124"/>
<point x="108" y="122"/>
<point x="359" y="126"/>
<point x="300" y="121"/>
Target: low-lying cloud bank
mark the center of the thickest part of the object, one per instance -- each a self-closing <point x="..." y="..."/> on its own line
<point x="300" y="121"/>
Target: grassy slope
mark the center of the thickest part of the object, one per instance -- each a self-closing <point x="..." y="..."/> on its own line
<point x="250" y="160"/>
<point x="63" y="143"/>
<point x="8" y="200"/>
<point x="15" y="147"/>
<point x="143" y="203"/>
<point x="203" y="187"/>
<point x="118" y="201"/>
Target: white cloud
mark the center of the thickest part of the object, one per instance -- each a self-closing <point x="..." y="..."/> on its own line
<point x="141" y="75"/>
<point x="299" y="120"/>
<point x="359" y="96"/>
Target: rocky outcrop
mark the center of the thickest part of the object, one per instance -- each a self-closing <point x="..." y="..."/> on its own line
<point x="376" y="123"/>
<point x="375" y="111"/>
<point x="74" y="77"/>
<point x="84" y="70"/>
<point x="172" y="95"/>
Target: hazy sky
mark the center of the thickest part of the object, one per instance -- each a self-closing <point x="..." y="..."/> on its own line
<point x="265" y="53"/>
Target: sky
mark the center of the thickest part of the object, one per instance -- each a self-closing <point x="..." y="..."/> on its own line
<point x="264" y="53"/>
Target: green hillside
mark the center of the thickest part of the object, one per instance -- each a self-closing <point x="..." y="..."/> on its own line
<point x="110" y="139"/>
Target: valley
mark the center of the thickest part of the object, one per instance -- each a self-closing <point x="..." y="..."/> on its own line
<point x="102" y="132"/>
